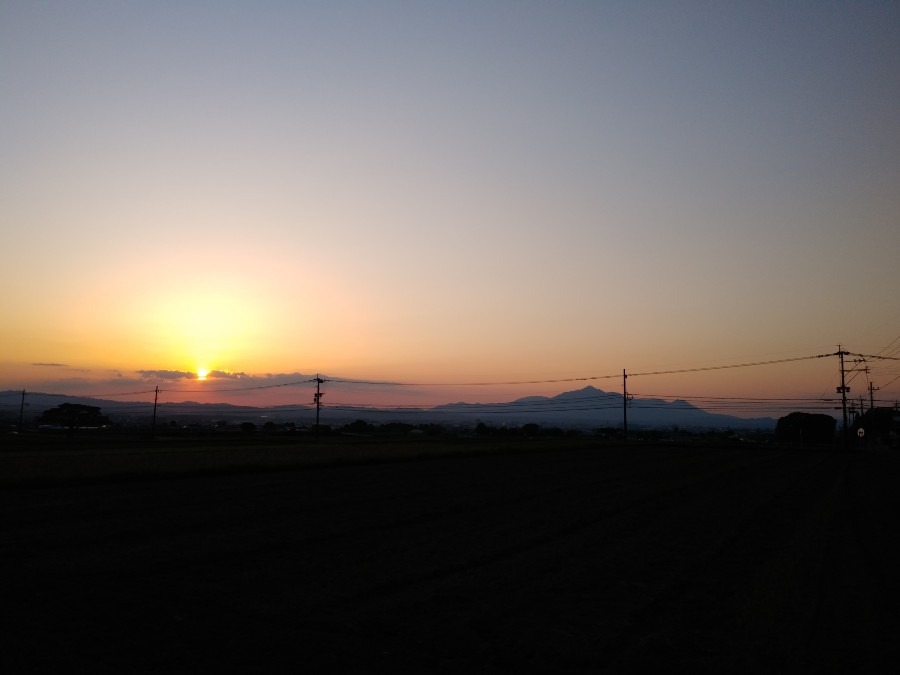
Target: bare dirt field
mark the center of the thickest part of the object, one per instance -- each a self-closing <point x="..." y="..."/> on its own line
<point x="575" y="559"/>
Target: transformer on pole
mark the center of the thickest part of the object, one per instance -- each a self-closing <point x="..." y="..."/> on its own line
<point x="317" y="399"/>
<point x="842" y="390"/>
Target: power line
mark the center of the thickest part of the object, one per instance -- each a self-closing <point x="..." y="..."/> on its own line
<point x="892" y="346"/>
<point x="569" y="404"/>
<point x="729" y="398"/>
<point x="473" y="384"/>
<point x="735" y="365"/>
<point x="872" y="356"/>
<point x="589" y="378"/>
<point x="884" y="386"/>
<point x="580" y="379"/>
<point x="129" y="393"/>
<point x="254" y="388"/>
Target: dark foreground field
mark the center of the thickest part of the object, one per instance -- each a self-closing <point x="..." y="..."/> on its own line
<point x="575" y="560"/>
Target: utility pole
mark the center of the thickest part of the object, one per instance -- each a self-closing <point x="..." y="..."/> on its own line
<point x="22" y="412"/>
<point x="862" y="407"/>
<point x="317" y="398"/>
<point x="842" y="390"/>
<point x="626" y="397"/>
<point x="153" y="424"/>
<point x="872" y="390"/>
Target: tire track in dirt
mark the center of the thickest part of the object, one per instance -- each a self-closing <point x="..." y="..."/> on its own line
<point x="189" y="516"/>
<point x="585" y="504"/>
<point x="604" y="579"/>
<point x="671" y="624"/>
<point x="855" y="625"/>
<point x="570" y="560"/>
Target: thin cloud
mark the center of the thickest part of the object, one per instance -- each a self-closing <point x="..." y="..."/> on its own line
<point x="167" y="375"/>
<point x="225" y="375"/>
<point x="236" y="383"/>
<point x="51" y="365"/>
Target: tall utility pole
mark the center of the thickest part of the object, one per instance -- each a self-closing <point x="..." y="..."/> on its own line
<point x="862" y="405"/>
<point x="872" y="390"/>
<point x="625" y="400"/>
<point x="153" y="424"/>
<point x="22" y="412"/>
<point x="842" y="390"/>
<point x="317" y="398"/>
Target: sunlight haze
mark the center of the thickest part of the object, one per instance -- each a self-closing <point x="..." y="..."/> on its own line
<point x="448" y="193"/>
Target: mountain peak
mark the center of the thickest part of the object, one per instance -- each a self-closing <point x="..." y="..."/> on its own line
<point x="585" y="392"/>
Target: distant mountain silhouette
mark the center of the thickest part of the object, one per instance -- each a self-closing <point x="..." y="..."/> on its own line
<point x="591" y="407"/>
<point x="585" y="408"/>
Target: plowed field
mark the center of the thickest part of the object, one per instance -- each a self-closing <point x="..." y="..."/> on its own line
<point x="573" y="560"/>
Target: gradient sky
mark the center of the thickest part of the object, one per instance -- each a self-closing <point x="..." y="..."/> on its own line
<point x="448" y="192"/>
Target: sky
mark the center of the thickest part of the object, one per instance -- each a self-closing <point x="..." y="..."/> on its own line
<point x="448" y="193"/>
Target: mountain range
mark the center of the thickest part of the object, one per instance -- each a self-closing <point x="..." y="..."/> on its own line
<point x="585" y="408"/>
<point x="590" y="408"/>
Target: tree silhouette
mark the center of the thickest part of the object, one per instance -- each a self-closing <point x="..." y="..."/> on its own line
<point x="73" y="416"/>
<point x="800" y="427"/>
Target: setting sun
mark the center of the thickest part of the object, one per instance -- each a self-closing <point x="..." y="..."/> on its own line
<point x="445" y="230"/>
